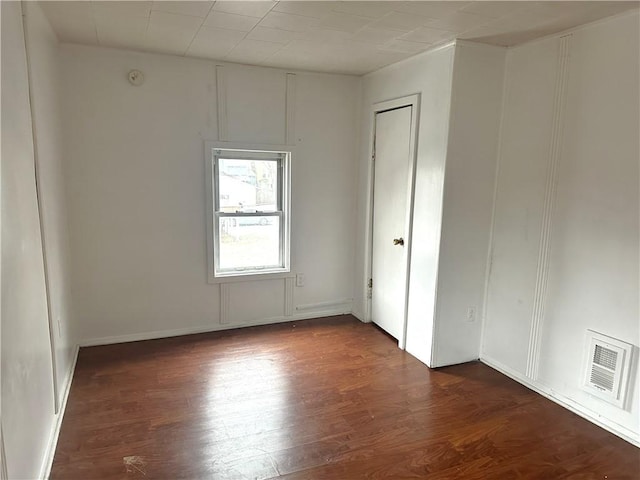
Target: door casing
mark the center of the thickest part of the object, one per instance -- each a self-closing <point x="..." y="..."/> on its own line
<point x="414" y="102"/>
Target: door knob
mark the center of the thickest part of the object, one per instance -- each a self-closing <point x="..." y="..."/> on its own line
<point x="398" y="241"/>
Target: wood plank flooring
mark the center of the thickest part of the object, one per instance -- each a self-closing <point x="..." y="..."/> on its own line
<point x="330" y="398"/>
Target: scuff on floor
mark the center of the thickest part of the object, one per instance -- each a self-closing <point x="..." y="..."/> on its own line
<point x="134" y="464"/>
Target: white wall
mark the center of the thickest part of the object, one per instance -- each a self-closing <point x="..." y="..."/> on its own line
<point x="591" y="257"/>
<point x="461" y="91"/>
<point x="524" y="149"/>
<point x="430" y="75"/>
<point x="28" y="418"/>
<point x="45" y="91"/>
<point x="478" y="74"/>
<point x="134" y="181"/>
<point x="136" y="190"/>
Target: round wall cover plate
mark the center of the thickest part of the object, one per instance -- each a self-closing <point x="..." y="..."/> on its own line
<point x="136" y="77"/>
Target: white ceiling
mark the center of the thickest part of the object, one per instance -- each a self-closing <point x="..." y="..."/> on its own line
<point x="344" y="37"/>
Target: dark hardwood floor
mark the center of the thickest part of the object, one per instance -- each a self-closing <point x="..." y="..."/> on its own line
<point x="322" y="399"/>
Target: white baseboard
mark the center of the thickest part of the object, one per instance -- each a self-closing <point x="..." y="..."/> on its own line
<point x="345" y="303"/>
<point x="360" y="316"/>
<point x="344" y="309"/>
<point x="618" y="430"/>
<point x="45" y="470"/>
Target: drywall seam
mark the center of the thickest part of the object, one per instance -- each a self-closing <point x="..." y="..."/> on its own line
<point x="555" y="150"/>
<point x="225" y="298"/>
<point x="221" y="93"/>
<point x="288" y="296"/>
<point x="55" y="432"/>
<point x="344" y="310"/>
<point x="290" y="110"/>
<point x="593" y="417"/>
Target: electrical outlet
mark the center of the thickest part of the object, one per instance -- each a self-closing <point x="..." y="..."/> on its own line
<point x="300" y="280"/>
<point x="471" y="314"/>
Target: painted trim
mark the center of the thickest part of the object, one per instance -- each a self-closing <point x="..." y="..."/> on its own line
<point x="209" y="146"/>
<point x="499" y="160"/>
<point x="576" y="29"/>
<point x="45" y="471"/>
<point x="288" y="296"/>
<point x="433" y="361"/>
<point x="290" y="110"/>
<point x="368" y="240"/>
<point x="136" y="337"/>
<point x="555" y="149"/>
<point x="225" y="300"/>
<point x="360" y="317"/>
<point x="413" y="161"/>
<point x="39" y="202"/>
<point x="330" y="303"/>
<point x="254" y="277"/>
<point x="412" y="101"/>
<point x="221" y="95"/>
<point x="4" y="474"/>
<point x="571" y="405"/>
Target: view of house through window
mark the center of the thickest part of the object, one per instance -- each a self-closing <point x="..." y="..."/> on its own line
<point x="249" y="212"/>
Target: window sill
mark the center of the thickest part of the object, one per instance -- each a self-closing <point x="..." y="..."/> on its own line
<point x="250" y="277"/>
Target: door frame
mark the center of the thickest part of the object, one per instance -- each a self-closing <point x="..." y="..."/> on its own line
<point x="380" y="107"/>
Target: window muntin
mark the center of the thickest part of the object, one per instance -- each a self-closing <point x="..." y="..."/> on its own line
<point x="250" y="214"/>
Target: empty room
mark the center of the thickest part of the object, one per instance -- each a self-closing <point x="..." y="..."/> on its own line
<point x="320" y="240"/>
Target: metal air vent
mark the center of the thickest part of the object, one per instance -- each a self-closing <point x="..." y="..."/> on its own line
<point x="607" y="367"/>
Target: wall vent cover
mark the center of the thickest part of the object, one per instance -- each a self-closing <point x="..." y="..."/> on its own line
<point x="607" y="367"/>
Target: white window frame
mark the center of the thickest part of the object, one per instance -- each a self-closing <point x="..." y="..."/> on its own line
<point x="214" y="150"/>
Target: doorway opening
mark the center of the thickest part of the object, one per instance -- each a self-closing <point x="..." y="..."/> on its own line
<point x="392" y="180"/>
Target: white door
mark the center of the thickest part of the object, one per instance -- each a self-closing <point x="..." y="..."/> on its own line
<point x="390" y="187"/>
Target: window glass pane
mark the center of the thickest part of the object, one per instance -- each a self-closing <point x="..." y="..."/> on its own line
<point x="247" y="242"/>
<point x="247" y="185"/>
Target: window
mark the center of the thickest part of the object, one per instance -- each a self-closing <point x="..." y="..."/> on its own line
<point x="248" y="211"/>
